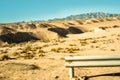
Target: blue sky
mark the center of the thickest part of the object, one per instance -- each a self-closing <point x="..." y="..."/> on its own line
<point x="27" y="10"/>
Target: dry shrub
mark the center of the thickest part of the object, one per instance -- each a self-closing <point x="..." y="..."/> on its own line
<point x="40" y="53"/>
<point x="59" y="49"/>
<point x="72" y="50"/>
<point x="116" y="26"/>
<point x="4" y="57"/>
<point x="34" y="48"/>
<point x="95" y="20"/>
<point x="92" y="46"/>
<point x="27" y="55"/>
<point x="113" y="50"/>
<point x="15" y="54"/>
<point x="8" y="45"/>
<point x="118" y="35"/>
<point x="46" y="45"/>
<point x="28" y="52"/>
<point x="5" y="44"/>
<point x="94" y="41"/>
<point x="54" y="50"/>
<point x="60" y="41"/>
<point x="72" y="45"/>
<point x="83" y="43"/>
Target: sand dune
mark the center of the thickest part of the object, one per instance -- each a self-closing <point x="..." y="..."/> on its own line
<point x="43" y="46"/>
<point x="57" y="28"/>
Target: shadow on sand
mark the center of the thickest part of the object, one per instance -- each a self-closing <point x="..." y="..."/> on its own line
<point x="63" y="32"/>
<point x="17" y="37"/>
<point x="109" y="74"/>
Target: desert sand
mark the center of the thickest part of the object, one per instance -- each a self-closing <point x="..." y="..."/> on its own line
<point x="36" y="51"/>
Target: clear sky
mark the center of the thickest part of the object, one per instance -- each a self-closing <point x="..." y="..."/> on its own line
<point x="27" y="10"/>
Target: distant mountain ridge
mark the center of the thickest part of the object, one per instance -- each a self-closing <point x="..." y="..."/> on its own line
<point x="87" y="15"/>
<point x="79" y="16"/>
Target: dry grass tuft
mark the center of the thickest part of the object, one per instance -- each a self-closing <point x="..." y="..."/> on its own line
<point x="4" y="57"/>
<point x="113" y="50"/>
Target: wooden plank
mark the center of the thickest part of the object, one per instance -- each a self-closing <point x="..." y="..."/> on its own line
<point x="109" y="63"/>
<point x="101" y="57"/>
<point x="71" y="72"/>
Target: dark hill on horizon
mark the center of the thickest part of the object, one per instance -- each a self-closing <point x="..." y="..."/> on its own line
<point x="87" y="16"/>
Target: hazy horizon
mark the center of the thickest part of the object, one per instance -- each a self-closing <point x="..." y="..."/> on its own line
<point x="27" y="10"/>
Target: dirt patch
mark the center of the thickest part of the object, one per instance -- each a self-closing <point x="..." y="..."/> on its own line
<point x="18" y="67"/>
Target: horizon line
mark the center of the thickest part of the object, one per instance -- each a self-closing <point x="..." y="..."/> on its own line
<point x="45" y="20"/>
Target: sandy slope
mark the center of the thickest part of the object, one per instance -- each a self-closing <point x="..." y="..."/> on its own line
<point x="51" y="65"/>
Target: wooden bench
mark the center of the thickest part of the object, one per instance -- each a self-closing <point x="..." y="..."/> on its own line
<point x="91" y="61"/>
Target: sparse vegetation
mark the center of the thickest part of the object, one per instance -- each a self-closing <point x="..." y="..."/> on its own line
<point x="65" y="50"/>
<point x="72" y="50"/>
<point x="113" y="50"/>
<point x="94" y="41"/>
<point x="72" y="44"/>
<point x="95" y="21"/>
<point x="48" y="53"/>
<point x="83" y="43"/>
<point x="27" y="55"/>
<point x="4" y="57"/>
<point x="39" y="48"/>
<point x="92" y="46"/>
<point x="5" y="44"/>
<point x="54" y="50"/>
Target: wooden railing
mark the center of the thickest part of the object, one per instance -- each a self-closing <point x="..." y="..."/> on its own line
<point x="91" y="61"/>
